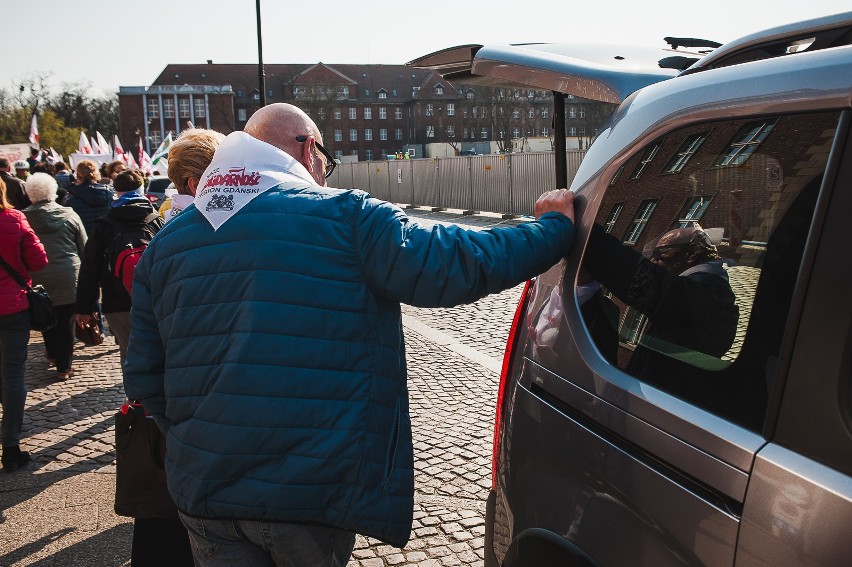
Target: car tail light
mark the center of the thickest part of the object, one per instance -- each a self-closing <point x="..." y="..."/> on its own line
<point x="508" y="359"/>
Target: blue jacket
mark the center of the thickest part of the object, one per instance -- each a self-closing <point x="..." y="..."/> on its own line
<point x="272" y="351"/>
<point x="91" y="201"/>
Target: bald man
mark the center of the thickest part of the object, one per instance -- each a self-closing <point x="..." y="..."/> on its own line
<point x="267" y="343"/>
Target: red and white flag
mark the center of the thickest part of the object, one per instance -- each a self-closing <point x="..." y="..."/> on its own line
<point x="83" y="146"/>
<point x="131" y="163"/>
<point x="34" y="131"/>
<point x="119" y="151"/>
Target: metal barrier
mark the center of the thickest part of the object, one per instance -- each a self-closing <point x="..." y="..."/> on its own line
<point x="499" y="183"/>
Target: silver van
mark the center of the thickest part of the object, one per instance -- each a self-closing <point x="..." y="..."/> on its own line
<point x="678" y="391"/>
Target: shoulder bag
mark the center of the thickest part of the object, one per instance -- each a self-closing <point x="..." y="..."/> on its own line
<point x="42" y="314"/>
<point x="140" y="475"/>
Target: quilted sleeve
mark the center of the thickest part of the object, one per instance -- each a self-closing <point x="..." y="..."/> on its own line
<point x="32" y="250"/>
<point x="442" y="266"/>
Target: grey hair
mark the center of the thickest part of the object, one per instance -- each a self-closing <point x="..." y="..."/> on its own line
<point x="41" y="187"/>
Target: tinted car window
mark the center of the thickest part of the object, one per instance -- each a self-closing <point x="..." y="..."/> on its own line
<point x="690" y="268"/>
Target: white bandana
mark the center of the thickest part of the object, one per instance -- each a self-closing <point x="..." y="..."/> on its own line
<point x="243" y="168"/>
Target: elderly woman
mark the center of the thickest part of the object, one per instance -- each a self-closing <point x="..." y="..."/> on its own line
<point x="189" y="156"/>
<point x="89" y="198"/>
<point x="62" y="233"/>
<point x="21" y="252"/>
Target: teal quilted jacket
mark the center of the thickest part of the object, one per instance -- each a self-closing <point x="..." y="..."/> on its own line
<point x="272" y="349"/>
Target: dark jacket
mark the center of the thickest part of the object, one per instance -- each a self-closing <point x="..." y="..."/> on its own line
<point x="278" y="338"/>
<point x="15" y="193"/>
<point x="95" y="277"/>
<point x="89" y="200"/>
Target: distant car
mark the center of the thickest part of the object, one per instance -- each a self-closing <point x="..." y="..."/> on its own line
<point x="669" y="401"/>
<point x="467" y="153"/>
<point x="156" y="189"/>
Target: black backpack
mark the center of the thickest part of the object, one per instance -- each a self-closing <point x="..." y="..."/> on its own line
<point x="128" y="243"/>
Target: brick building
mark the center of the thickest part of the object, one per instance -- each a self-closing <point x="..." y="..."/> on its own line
<point x="365" y="111"/>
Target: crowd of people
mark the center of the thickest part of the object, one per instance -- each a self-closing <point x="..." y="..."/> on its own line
<point x="262" y="330"/>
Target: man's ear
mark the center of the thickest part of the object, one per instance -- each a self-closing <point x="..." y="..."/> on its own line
<point x="308" y="156"/>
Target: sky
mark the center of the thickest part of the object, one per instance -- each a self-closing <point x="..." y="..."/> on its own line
<point x="112" y="43"/>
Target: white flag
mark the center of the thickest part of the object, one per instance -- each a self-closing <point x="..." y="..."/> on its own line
<point x="119" y="151"/>
<point x="103" y="144"/>
<point x="34" y="131"/>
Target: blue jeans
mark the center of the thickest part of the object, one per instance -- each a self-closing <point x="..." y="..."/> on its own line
<point x="14" y="336"/>
<point x="250" y="543"/>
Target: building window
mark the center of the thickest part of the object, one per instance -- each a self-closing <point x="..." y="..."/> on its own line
<point x="572" y="131"/>
<point x="398" y="134"/>
<point x="647" y="157"/>
<point x="383" y="113"/>
<point x="366" y="92"/>
<point x="439" y="89"/>
<point x="338" y="154"/>
<point x="530" y="93"/>
<point x="168" y="108"/>
<point x="545" y="132"/>
<point x="338" y="135"/>
<point x="153" y="109"/>
<point x="353" y="113"/>
<point x="183" y="107"/>
<point x="572" y="112"/>
<point x="397" y="113"/>
<point x="582" y="113"/>
<point x="337" y="114"/>
<point x="545" y="113"/>
<point x="516" y="114"/>
<point x="430" y="131"/>
<point x="693" y="210"/>
<point x="745" y="142"/>
<point x="531" y="113"/>
<point x="321" y="113"/>
<point x="239" y="94"/>
<point x="465" y="133"/>
<point x="451" y="109"/>
<point x="155" y="138"/>
<point x="393" y="92"/>
<point x="368" y="113"/>
<point x="368" y="134"/>
<point x="354" y="153"/>
<point x="241" y="114"/>
<point x="342" y="92"/>
<point x="470" y="95"/>
<point x="429" y="110"/>
<point x="451" y="131"/>
<point x="502" y="133"/>
<point x="368" y="155"/>
<point x="200" y="111"/>
<point x="383" y="93"/>
<point x="613" y="216"/>
<point x="269" y="93"/>
<point x="483" y="133"/>
<point x="640" y="221"/>
<point x="686" y="150"/>
<point x="516" y="132"/>
<point x="383" y="133"/>
<point x="353" y="135"/>
<point x="255" y="95"/>
<point x="631" y="327"/>
<point x="615" y="177"/>
<point x="464" y="112"/>
<point x="581" y="131"/>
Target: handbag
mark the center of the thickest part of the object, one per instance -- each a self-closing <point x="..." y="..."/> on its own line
<point x="140" y="476"/>
<point x="89" y="335"/>
<point x="42" y="314"/>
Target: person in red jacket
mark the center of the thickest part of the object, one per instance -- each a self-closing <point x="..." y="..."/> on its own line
<point x="21" y="249"/>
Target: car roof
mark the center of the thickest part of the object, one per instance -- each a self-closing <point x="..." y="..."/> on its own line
<point x="611" y="73"/>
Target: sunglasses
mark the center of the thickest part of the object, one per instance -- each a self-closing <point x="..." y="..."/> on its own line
<point x="330" y="161"/>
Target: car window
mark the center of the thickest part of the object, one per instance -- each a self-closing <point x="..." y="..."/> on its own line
<point x="690" y="268"/>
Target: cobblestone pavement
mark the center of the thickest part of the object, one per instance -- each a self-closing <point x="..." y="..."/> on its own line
<point x="59" y="510"/>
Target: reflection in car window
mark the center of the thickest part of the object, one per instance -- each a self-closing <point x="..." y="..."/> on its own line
<point x="704" y="274"/>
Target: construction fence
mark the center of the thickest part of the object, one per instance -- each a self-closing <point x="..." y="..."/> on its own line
<point x="498" y="183"/>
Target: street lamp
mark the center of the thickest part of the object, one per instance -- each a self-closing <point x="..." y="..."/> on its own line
<point x="261" y="77"/>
